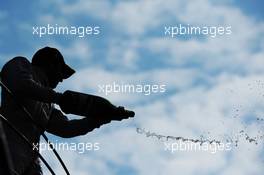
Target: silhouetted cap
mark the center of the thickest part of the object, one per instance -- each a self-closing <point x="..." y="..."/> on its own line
<point x="46" y="56"/>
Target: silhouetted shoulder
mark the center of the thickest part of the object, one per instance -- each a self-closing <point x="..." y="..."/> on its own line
<point x="18" y="61"/>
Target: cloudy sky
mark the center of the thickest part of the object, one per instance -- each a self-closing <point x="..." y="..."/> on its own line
<point x="213" y="85"/>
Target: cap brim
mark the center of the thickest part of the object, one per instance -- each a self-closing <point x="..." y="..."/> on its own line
<point x="68" y="71"/>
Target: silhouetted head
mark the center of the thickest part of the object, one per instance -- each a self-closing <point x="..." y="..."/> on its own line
<point x="51" y="61"/>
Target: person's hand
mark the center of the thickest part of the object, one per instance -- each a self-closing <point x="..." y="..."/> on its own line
<point x="121" y="113"/>
<point x="117" y="114"/>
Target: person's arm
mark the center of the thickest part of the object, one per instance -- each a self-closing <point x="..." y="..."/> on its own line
<point x="61" y="126"/>
<point x="88" y="105"/>
<point x="18" y="77"/>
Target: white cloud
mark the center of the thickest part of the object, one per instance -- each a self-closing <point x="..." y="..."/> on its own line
<point x="223" y="52"/>
<point x="78" y="50"/>
<point x="98" y="9"/>
<point x="125" y="59"/>
<point x="136" y="17"/>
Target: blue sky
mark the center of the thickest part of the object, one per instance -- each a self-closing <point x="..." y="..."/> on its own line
<point x="208" y="80"/>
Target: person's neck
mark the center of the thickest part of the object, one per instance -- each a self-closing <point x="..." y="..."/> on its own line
<point x="42" y="74"/>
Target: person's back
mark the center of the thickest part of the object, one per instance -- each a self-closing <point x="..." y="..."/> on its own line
<point x="11" y="75"/>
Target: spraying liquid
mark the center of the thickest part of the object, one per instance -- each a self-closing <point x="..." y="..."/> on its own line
<point x="235" y="137"/>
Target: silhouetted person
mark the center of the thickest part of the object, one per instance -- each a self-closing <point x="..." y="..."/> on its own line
<point x="32" y="84"/>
